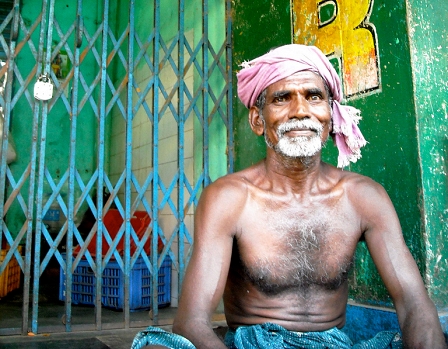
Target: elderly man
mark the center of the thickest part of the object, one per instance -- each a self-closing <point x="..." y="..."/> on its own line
<point x="276" y="241"/>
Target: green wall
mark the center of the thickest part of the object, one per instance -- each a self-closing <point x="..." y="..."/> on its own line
<point x="391" y="157"/>
<point x="429" y="56"/>
<point x="257" y="27"/>
<point x="404" y="122"/>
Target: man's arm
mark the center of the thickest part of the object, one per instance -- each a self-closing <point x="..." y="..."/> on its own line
<point x="206" y="274"/>
<point x="416" y="312"/>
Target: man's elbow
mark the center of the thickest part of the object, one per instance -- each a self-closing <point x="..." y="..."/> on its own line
<point x="187" y="326"/>
<point x="179" y="326"/>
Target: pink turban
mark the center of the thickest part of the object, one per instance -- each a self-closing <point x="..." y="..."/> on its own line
<point x="284" y="61"/>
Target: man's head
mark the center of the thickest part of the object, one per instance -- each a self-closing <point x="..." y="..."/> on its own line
<point x="294" y="115"/>
<point x="259" y="74"/>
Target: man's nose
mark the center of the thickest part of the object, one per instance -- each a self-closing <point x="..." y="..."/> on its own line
<point x="299" y="108"/>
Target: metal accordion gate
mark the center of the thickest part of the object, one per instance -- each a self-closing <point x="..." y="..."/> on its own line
<point x="134" y="119"/>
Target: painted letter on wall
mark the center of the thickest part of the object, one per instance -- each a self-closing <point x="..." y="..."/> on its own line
<point x="341" y="29"/>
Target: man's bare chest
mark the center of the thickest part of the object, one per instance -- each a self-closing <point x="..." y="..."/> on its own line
<point x="283" y="249"/>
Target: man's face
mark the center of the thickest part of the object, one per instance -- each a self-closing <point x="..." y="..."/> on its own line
<point x="297" y="115"/>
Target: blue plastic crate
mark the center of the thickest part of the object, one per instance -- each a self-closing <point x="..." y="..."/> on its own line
<point x="112" y="292"/>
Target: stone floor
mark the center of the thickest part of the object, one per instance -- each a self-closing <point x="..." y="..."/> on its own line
<point x="52" y="331"/>
<point x="89" y="339"/>
<point x="84" y="335"/>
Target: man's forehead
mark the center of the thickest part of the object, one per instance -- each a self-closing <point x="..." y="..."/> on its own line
<point x="300" y="79"/>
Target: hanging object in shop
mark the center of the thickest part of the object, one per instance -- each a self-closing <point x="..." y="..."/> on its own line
<point x="43" y="89"/>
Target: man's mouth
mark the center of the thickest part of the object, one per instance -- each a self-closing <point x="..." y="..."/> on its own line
<point x="300" y="132"/>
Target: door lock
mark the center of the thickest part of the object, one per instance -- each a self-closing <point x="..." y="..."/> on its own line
<point x="43" y="88"/>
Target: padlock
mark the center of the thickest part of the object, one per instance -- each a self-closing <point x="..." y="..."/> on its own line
<point x="43" y="88"/>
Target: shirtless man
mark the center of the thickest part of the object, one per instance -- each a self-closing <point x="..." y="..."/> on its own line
<point x="276" y="241"/>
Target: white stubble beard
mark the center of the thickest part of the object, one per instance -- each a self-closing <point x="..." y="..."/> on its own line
<point x="297" y="147"/>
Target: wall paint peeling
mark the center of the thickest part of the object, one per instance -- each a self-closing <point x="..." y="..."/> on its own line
<point x="428" y="36"/>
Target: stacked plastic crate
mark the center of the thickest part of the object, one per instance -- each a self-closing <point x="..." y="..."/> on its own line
<point x="10" y="278"/>
<point x="112" y="291"/>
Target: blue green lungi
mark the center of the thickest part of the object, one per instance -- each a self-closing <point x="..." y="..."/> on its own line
<point x="273" y="336"/>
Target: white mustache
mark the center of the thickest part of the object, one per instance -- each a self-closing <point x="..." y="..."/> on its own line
<point x="300" y="124"/>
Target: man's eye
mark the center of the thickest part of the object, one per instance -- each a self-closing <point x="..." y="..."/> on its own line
<point x="315" y="97"/>
<point x="279" y="99"/>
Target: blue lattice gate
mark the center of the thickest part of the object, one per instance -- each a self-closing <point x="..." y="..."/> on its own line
<point x="109" y="170"/>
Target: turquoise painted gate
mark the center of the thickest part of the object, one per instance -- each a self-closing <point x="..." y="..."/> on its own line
<point x="110" y="168"/>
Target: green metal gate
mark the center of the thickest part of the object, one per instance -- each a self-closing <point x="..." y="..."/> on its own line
<point x="139" y="122"/>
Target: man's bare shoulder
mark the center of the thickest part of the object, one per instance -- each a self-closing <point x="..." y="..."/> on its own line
<point x="355" y="183"/>
<point x="364" y="193"/>
<point x="236" y="183"/>
<point x="222" y="203"/>
<point x="229" y="192"/>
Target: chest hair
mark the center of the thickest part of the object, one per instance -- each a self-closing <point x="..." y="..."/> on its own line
<point x="304" y="254"/>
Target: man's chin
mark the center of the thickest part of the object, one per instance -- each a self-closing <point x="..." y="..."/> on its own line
<point x="295" y="151"/>
<point x="292" y="160"/>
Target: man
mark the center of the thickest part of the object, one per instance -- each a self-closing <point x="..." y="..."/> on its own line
<point x="277" y="239"/>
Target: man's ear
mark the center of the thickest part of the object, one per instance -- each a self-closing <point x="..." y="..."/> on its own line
<point x="255" y="121"/>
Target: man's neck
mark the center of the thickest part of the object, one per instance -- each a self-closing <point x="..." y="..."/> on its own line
<point x="296" y="174"/>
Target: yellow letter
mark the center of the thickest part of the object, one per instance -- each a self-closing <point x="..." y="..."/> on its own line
<point x="340" y="28"/>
